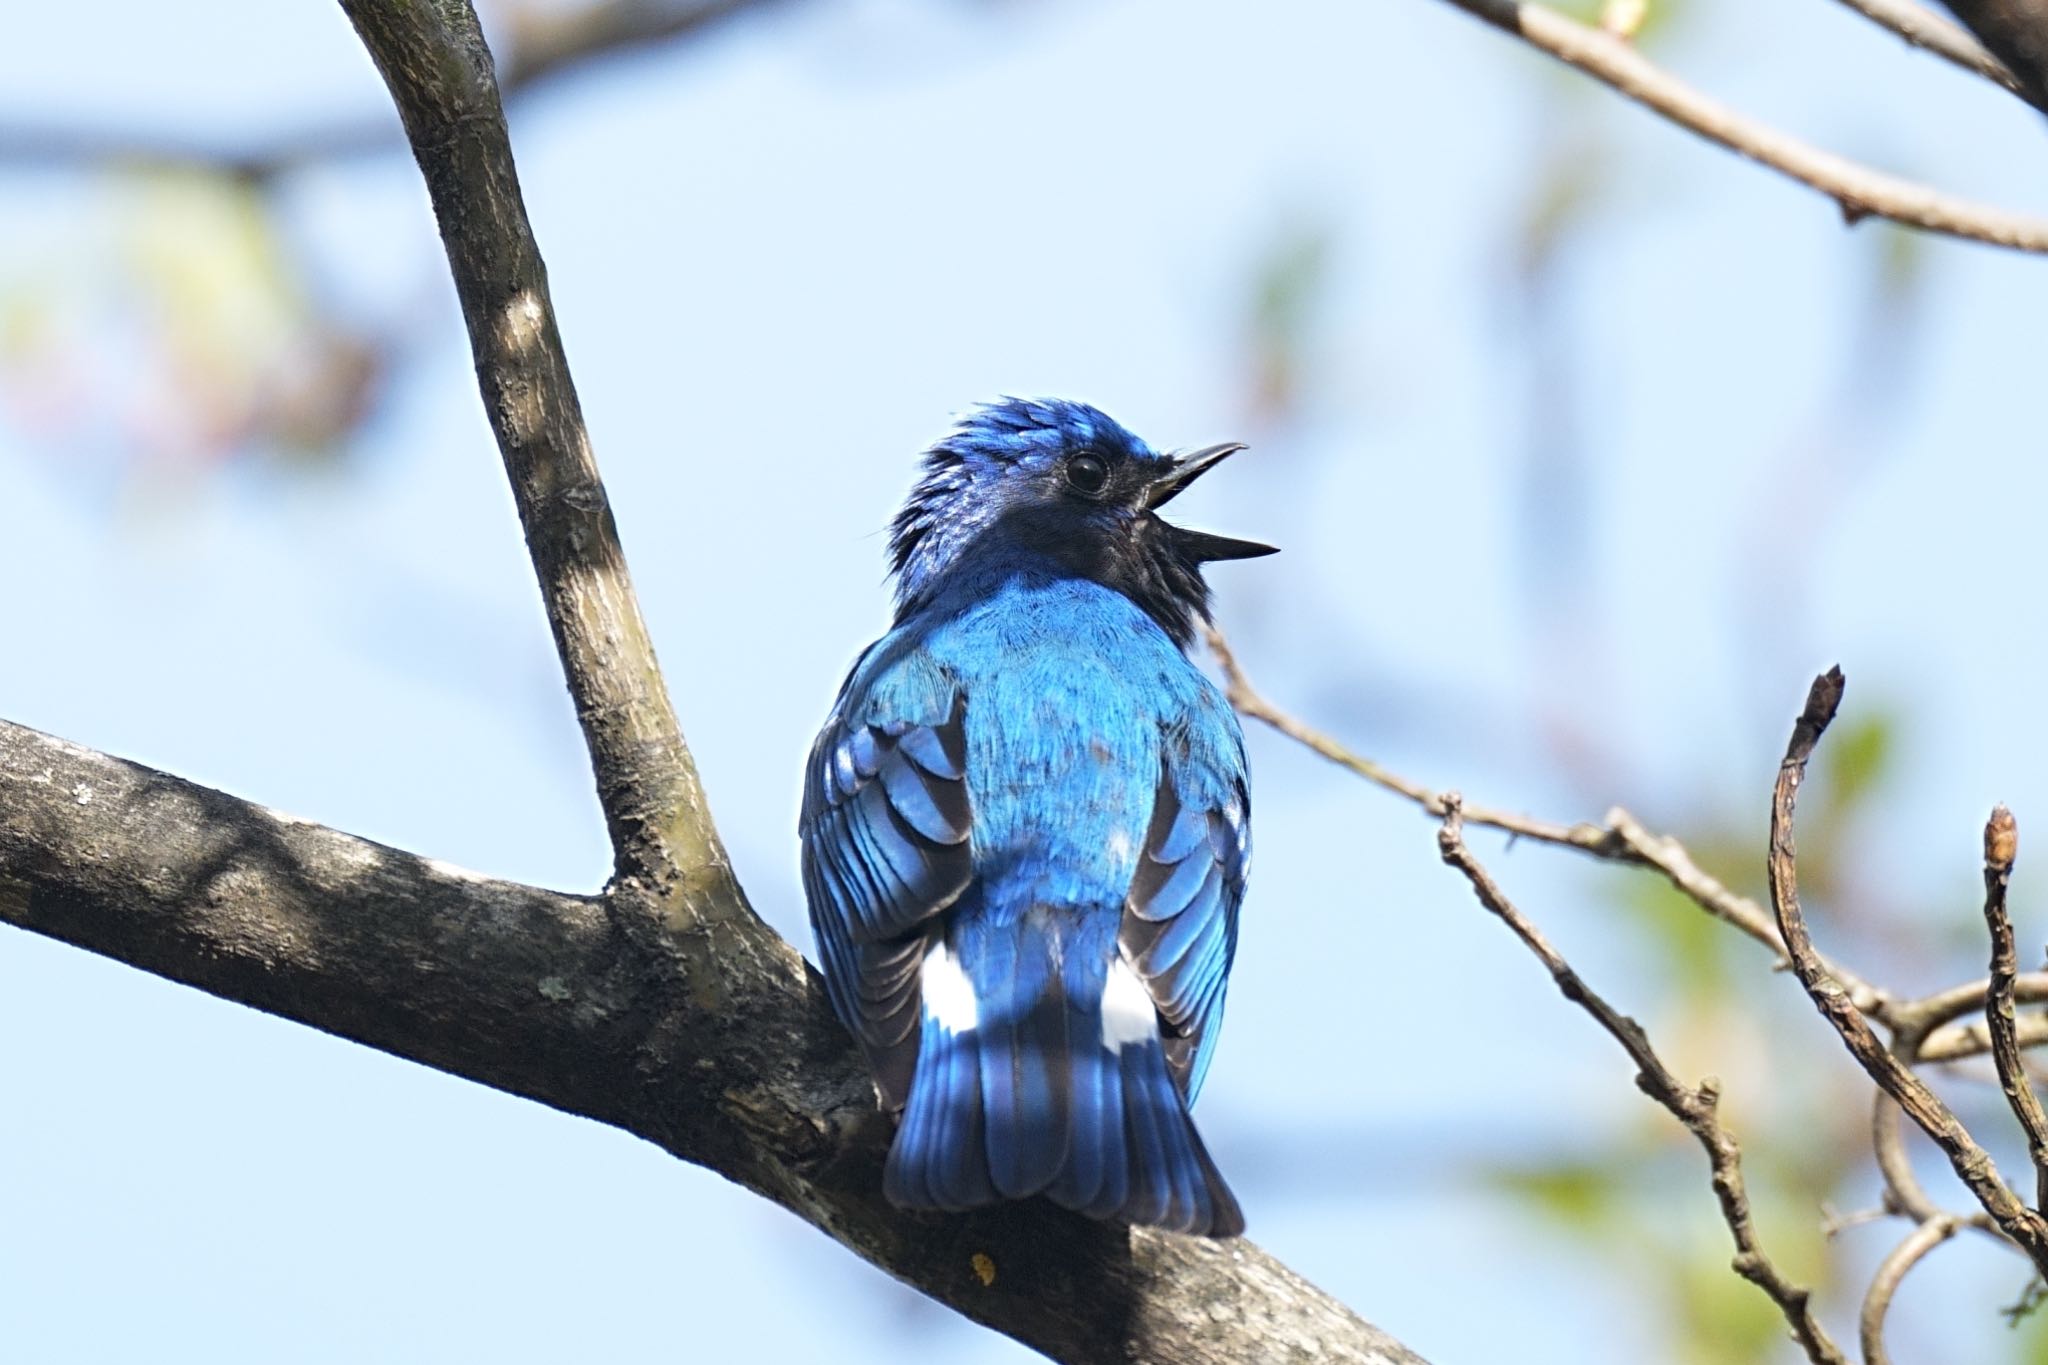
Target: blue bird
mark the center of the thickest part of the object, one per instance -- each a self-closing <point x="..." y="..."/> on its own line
<point x="1026" y="828"/>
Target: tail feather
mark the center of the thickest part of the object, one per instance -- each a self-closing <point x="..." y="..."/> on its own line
<point x="939" y="1159"/>
<point x="1026" y="1087"/>
<point x="1007" y="1103"/>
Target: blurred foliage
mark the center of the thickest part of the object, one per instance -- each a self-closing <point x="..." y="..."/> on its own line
<point x="178" y="334"/>
<point x="1290" y="282"/>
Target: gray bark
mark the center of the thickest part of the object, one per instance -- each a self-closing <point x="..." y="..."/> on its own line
<point x="663" y="1006"/>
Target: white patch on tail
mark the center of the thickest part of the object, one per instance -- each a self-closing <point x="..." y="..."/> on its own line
<point x="1128" y="1014"/>
<point x="948" y="994"/>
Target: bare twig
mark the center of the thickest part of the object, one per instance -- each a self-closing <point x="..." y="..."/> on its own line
<point x="1622" y="839"/>
<point x="1859" y="191"/>
<point x="1930" y="1012"/>
<point x="1971" y="1162"/>
<point x="1587" y="838"/>
<point x="1885" y="1284"/>
<point x="1930" y="32"/>
<point x="2001" y="847"/>
<point x="1698" y="1109"/>
<point x="1955" y="1042"/>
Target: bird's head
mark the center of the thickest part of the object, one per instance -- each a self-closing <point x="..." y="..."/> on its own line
<point x="1044" y="483"/>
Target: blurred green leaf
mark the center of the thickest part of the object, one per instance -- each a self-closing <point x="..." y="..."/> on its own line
<point x="1855" y="761"/>
<point x="1581" y="1198"/>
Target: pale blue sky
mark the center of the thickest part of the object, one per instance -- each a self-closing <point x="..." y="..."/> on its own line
<point x="782" y="258"/>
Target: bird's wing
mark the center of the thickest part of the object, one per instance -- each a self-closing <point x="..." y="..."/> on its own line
<point x="885" y="847"/>
<point x="1179" y="929"/>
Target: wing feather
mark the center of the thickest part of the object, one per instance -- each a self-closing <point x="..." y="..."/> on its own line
<point x="885" y="829"/>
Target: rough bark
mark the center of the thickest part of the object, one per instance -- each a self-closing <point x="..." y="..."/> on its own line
<point x="663" y="1006"/>
<point x="544" y="995"/>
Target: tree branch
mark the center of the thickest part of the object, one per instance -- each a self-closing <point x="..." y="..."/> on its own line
<point x="1698" y="1109"/>
<point x="433" y="58"/>
<point x="1928" y="31"/>
<point x="2016" y="31"/>
<point x="1622" y="839"/>
<point x="1885" y="1284"/>
<point x="1859" y="191"/>
<point x="541" y="42"/>
<point x="664" y="1006"/>
<point x="2001" y="847"/>
<point x="1973" y="1165"/>
<point x="543" y="995"/>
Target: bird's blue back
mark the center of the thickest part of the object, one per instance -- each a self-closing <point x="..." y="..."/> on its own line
<point x="1026" y="834"/>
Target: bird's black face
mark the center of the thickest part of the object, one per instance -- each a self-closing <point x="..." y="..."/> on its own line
<point x="1093" y="508"/>
<point x="1061" y="483"/>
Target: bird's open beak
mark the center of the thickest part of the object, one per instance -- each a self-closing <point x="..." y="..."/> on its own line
<point x="1186" y="469"/>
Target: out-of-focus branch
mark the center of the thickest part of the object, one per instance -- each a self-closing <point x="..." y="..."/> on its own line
<point x="1698" y="1109"/>
<point x="2001" y="847"/>
<point x="1621" y="839"/>
<point x="1885" y="1284"/>
<point x="1923" y="28"/>
<point x="1973" y="1165"/>
<point x="1955" y="1042"/>
<point x="1859" y="191"/>
<point x="2016" y="31"/>
<point x="538" y="43"/>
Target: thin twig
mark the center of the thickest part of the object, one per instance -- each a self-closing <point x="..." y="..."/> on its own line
<point x="1930" y="32"/>
<point x="1859" y="191"/>
<point x="2001" y="847"/>
<point x="1955" y="1042"/>
<point x="1885" y="1284"/>
<point x="1586" y="837"/>
<point x="1698" y="1109"/>
<point x="1622" y="839"/>
<point x="1971" y="1162"/>
<point x="1930" y="1011"/>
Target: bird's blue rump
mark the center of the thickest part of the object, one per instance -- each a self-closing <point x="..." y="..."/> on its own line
<point x="1026" y="830"/>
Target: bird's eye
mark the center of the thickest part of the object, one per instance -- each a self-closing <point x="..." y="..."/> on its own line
<point x="1087" y="473"/>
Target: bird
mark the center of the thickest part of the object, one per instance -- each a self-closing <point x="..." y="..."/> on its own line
<point x="1026" y="828"/>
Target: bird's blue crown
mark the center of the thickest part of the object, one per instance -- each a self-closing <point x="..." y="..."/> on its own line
<point x="1014" y="486"/>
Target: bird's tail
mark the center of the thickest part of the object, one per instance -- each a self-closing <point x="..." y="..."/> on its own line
<point x="1024" y="1088"/>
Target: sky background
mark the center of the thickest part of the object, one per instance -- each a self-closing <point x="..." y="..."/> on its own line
<point x="1563" y="528"/>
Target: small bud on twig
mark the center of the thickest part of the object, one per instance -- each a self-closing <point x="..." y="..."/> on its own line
<point x="2001" y="840"/>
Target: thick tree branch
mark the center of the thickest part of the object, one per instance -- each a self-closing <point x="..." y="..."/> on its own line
<point x="665" y="1006"/>
<point x="543" y="995"/>
<point x="1928" y="31"/>
<point x="1859" y="191"/>
<point x="540" y="43"/>
<point x="434" y="60"/>
<point x="1973" y="1165"/>
<point x="1698" y="1109"/>
<point x="2016" y="32"/>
